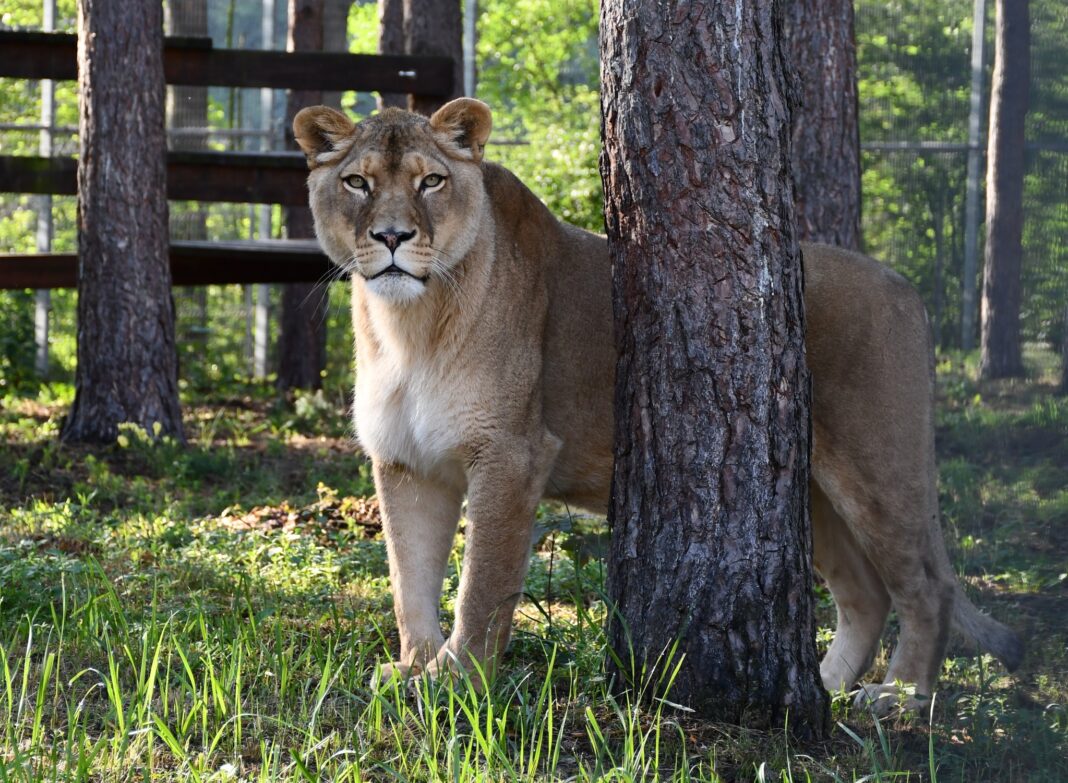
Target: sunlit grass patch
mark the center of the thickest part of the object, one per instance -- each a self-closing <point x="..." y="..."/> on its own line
<point x="217" y="612"/>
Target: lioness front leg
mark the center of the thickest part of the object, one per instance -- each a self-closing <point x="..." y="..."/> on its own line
<point x="419" y="519"/>
<point x="506" y="482"/>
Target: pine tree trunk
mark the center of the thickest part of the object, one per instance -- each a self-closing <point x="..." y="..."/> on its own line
<point x="302" y="332"/>
<point x="826" y="137"/>
<point x="127" y="366"/>
<point x="435" y="27"/>
<point x="302" y="328"/>
<point x="711" y="538"/>
<point x="391" y="41"/>
<point x="335" y="37"/>
<point x="1000" y="342"/>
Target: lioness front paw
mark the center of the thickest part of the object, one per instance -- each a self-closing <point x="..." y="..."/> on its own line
<point x="396" y="670"/>
<point x="445" y="664"/>
<point x="891" y="698"/>
<point x="448" y="665"/>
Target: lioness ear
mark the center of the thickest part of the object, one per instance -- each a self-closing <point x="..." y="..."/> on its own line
<point x="463" y="125"/>
<point x="319" y="130"/>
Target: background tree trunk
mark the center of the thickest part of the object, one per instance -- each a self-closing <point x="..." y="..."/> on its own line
<point x="313" y="26"/>
<point x="127" y="367"/>
<point x="391" y="41"/>
<point x="187" y="108"/>
<point x="435" y="27"/>
<point x="1000" y="315"/>
<point x="711" y="538"/>
<point x="1064" y="354"/>
<point x="826" y="137"/>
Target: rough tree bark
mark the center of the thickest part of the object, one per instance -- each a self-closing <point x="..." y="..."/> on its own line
<point x="391" y="41"/>
<point x="313" y="26"/>
<point x="711" y="539"/>
<point x="1000" y="308"/>
<point x="127" y="366"/>
<point x="826" y="136"/>
<point x="435" y="27"/>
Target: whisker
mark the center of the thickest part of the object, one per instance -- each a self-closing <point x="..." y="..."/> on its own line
<point x="448" y="276"/>
<point x="322" y="288"/>
<point x="441" y="252"/>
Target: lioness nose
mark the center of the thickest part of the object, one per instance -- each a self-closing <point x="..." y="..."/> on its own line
<point x="392" y="238"/>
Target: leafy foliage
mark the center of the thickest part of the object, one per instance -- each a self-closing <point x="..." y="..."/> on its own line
<point x="538" y="70"/>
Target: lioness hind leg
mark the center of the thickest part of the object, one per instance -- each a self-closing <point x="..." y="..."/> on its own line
<point x="859" y="596"/>
<point x="419" y="520"/>
<point x="894" y="529"/>
<point x="923" y="598"/>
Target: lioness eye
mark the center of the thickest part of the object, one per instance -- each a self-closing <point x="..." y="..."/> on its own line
<point x="431" y="181"/>
<point x="355" y="182"/>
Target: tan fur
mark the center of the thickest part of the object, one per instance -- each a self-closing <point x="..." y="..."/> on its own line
<point x="493" y="379"/>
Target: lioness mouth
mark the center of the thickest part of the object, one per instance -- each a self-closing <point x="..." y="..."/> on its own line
<point x="393" y="269"/>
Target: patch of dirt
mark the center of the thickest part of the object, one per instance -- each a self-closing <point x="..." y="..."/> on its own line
<point x="68" y="545"/>
<point x="329" y="515"/>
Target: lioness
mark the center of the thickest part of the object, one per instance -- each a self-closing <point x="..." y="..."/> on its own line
<point x="485" y="368"/>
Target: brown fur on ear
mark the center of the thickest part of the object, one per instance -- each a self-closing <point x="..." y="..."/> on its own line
<point x="318" y="129"/>
<point x="463" y="125"/>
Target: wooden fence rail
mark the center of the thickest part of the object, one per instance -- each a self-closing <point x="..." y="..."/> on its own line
<point x="195" y="62"/>
<point x="192" y="263"/>
<point x="253" y="177"/>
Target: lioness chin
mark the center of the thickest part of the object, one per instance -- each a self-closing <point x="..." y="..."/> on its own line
<point x="485" y="369"/>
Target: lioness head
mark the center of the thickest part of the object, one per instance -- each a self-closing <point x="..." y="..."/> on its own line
<point x="397" y="198"/>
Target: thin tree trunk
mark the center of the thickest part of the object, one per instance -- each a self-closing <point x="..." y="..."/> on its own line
<point x="939" y="264"/>
<point x="1000" y="348"/>
<point x="187" y="108"/>
<point x="826" y="136"/>
<point x="335" y="37"/>
<point x="127" y="366"/>
<point x="302" y="333"/>
<point x="1064" y="355"/>
<point x="435" y="27"/>
<point x="711" y="538"/>
<point x="391" y="41"/>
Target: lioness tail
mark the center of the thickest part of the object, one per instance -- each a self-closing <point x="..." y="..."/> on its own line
<point x="987" y="632"/>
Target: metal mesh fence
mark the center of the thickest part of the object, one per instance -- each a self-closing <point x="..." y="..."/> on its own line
<point x="915" y="62"/>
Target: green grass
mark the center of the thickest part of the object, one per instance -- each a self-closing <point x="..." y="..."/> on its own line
<point x="215" y="612"/>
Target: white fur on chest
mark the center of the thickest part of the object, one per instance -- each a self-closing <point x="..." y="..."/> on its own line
<point x="409" y="415"/>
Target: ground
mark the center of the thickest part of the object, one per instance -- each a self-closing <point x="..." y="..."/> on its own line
<point x="216" y="611"/>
